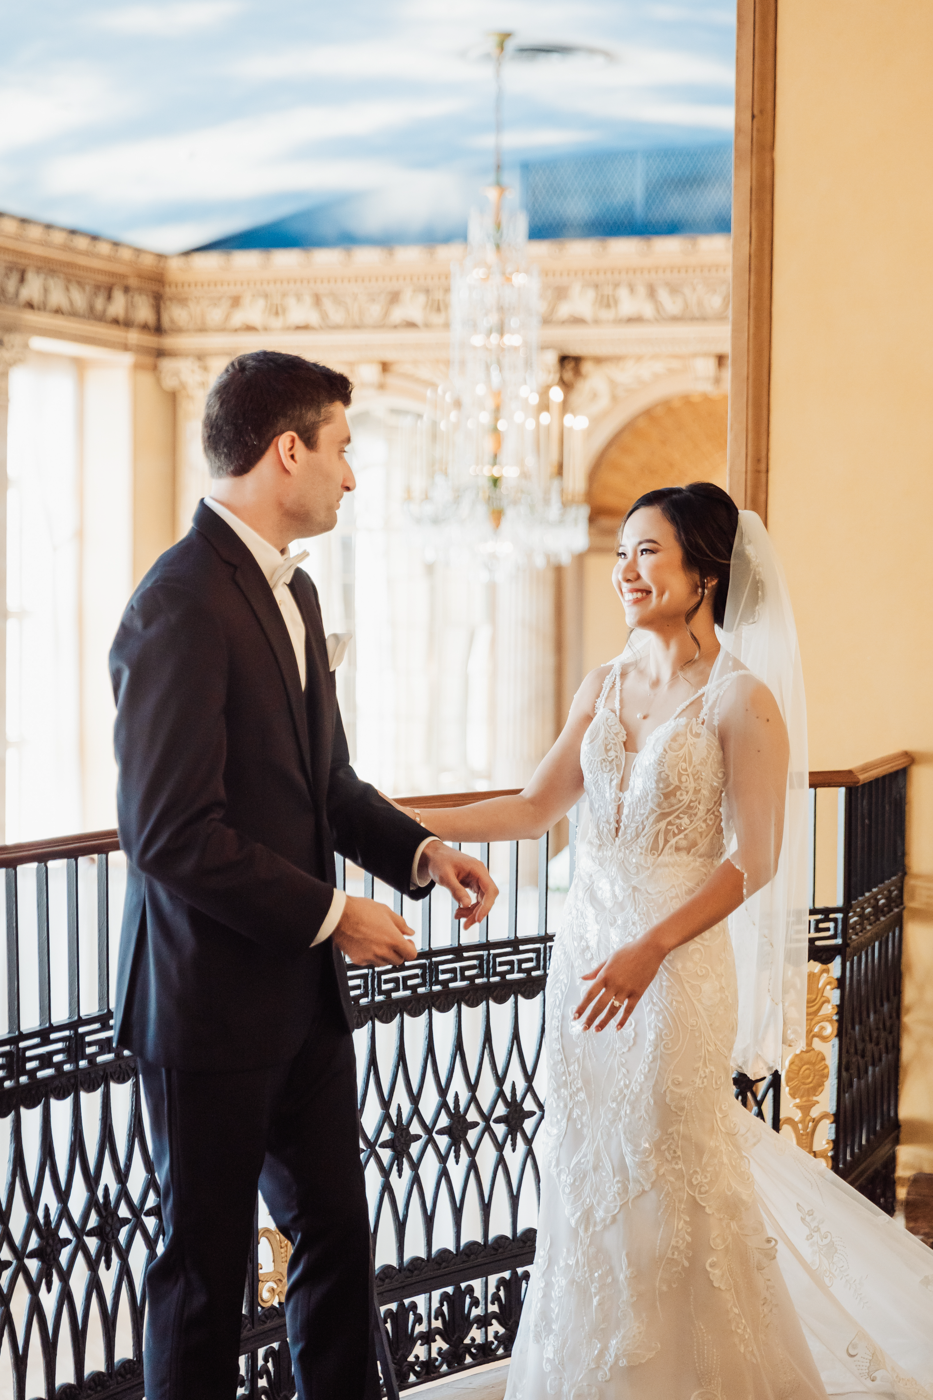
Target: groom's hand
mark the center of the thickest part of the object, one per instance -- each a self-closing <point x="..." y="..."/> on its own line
<point x="371" y="935"/>
<point x="460" y="874"/>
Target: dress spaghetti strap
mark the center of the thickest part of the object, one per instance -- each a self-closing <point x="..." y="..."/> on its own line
<point x="683" y="705"/>
<point x="614" y="677"/>
<point x="715" y="691"/>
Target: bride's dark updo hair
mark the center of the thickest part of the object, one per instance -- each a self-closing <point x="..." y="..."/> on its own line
<point x="705" y="520"/>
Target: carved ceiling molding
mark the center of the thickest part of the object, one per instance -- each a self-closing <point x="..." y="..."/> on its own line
<point x="300" y="308"/>
<point x="663" y="295"/>
<point x="43" y="289"/>
<point x="584" y="300"/>
<point x="59" y="272"/>
<point x="594" y="386"/>
<point x="51" y="241"/>
<point x="603" y="302"/>
<point x="591" y="283"/>
<point x="240" y="267"/>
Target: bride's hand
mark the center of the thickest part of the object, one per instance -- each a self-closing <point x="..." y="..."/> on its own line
<point x="409" y="811"/>
<point x="620" y="983"/>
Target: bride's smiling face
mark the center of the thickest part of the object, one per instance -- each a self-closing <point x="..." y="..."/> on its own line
<point x="649" y="575"/>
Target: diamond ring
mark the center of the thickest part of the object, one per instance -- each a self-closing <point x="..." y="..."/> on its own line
<point x="616" y="1001"/>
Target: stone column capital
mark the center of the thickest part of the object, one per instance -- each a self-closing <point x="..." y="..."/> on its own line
<point x="184" y="374"/>
<point x="14" y="346"/>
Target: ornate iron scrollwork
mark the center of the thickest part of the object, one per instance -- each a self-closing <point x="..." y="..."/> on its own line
<point x="807" y="1071"/>
<point x="272" y="1282"/>
<point x="403" y="1324"/>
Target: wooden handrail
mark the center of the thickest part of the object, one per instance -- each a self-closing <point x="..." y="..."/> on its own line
<point x="454" y="799"/>
<point x="97" y="843"/>
<point x="819" y="778"/>
<point x="864" y="773"/>
<point x="86" y="843"/>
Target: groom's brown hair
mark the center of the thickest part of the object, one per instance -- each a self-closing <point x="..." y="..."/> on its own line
<point x="260" y="395"/>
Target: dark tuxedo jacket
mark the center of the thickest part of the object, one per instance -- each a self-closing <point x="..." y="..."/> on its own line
<point x="234" y="791"/>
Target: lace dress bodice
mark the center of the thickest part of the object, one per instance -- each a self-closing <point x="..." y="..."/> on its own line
<point x="655" y="1277"/>
<point x="651" y="828"/>
<point x="672" y="801"/>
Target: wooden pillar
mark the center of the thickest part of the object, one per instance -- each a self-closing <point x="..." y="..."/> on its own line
<point x="752" y="224"/>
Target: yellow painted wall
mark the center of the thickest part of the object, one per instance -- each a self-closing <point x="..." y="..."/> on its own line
<point x="851" y="464"/>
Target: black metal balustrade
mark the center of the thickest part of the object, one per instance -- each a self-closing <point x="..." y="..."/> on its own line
<point x="451" y="1100"/>
<point x="861" y="939"/>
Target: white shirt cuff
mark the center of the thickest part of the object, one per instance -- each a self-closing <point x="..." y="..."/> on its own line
<point x="416" y="882"/>
<point x="338" y="903"/>
<point x="334" y="915"/>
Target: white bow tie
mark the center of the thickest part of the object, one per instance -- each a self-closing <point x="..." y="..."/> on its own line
<point x="283" y="574"/>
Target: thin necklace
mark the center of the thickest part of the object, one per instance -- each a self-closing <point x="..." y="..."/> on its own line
<point x="676" y="676"/>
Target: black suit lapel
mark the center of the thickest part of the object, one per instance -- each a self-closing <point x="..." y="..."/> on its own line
<point x="320" y="693"/>
<point x="253" y="584"/>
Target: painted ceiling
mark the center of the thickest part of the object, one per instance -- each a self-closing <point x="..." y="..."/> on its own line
<point x="175" y="123"/>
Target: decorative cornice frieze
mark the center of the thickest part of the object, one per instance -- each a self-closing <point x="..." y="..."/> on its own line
<point x="648" y="295"/>
<point x="60" y="272"/>
<point x="308" y="309"/>
<point x="597" y="300"/>
<point x="581" y="301"/>
<point x="597" y="283"/>
<point x="45" y="289"/>
<point x="593" y="385"/>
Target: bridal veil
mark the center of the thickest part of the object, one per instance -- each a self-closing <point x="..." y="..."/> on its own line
<point x="766" y="806"/>
<point x="765" y="802"/>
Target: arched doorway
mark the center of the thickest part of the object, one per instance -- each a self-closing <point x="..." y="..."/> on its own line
<point x="676" y="441"/>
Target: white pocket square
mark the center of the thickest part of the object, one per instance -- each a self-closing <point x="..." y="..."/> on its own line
<point x="337" y="646"/>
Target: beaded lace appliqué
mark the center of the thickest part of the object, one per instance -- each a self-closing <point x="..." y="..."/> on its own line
<point x="645" y="1116"/>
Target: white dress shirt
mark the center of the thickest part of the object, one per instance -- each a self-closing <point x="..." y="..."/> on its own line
<point x="270" y="561"/>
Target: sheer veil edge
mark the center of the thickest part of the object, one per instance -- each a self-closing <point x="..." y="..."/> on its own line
<point x="770" y="930"/>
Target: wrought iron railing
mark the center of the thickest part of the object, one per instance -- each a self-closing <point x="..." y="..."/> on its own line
<point x="451" y="1100"/>
<point x="854" y="992"/>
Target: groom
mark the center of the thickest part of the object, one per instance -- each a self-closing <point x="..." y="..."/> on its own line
<point x="235" y="790"/>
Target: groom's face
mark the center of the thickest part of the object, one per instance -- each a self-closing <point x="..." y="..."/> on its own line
<point x="320" y="478"/>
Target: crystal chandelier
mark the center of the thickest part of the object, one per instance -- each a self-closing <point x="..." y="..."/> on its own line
<point x="499" y="471"/>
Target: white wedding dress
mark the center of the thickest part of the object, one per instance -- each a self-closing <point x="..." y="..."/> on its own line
<point x="686" y="1251"/>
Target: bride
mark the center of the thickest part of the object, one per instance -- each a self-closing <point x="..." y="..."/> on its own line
<point x="685" y="1251"/>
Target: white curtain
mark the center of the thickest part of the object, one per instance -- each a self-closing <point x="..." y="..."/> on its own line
<point x="415" y="688"/>
<point x="43" y="699"/>
<point x="68" y="577"/>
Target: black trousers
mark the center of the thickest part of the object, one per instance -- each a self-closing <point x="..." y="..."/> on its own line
<point x="293" y="1131"/>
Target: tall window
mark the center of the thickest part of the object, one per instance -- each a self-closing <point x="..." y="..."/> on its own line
<point x="68" y="576"/>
